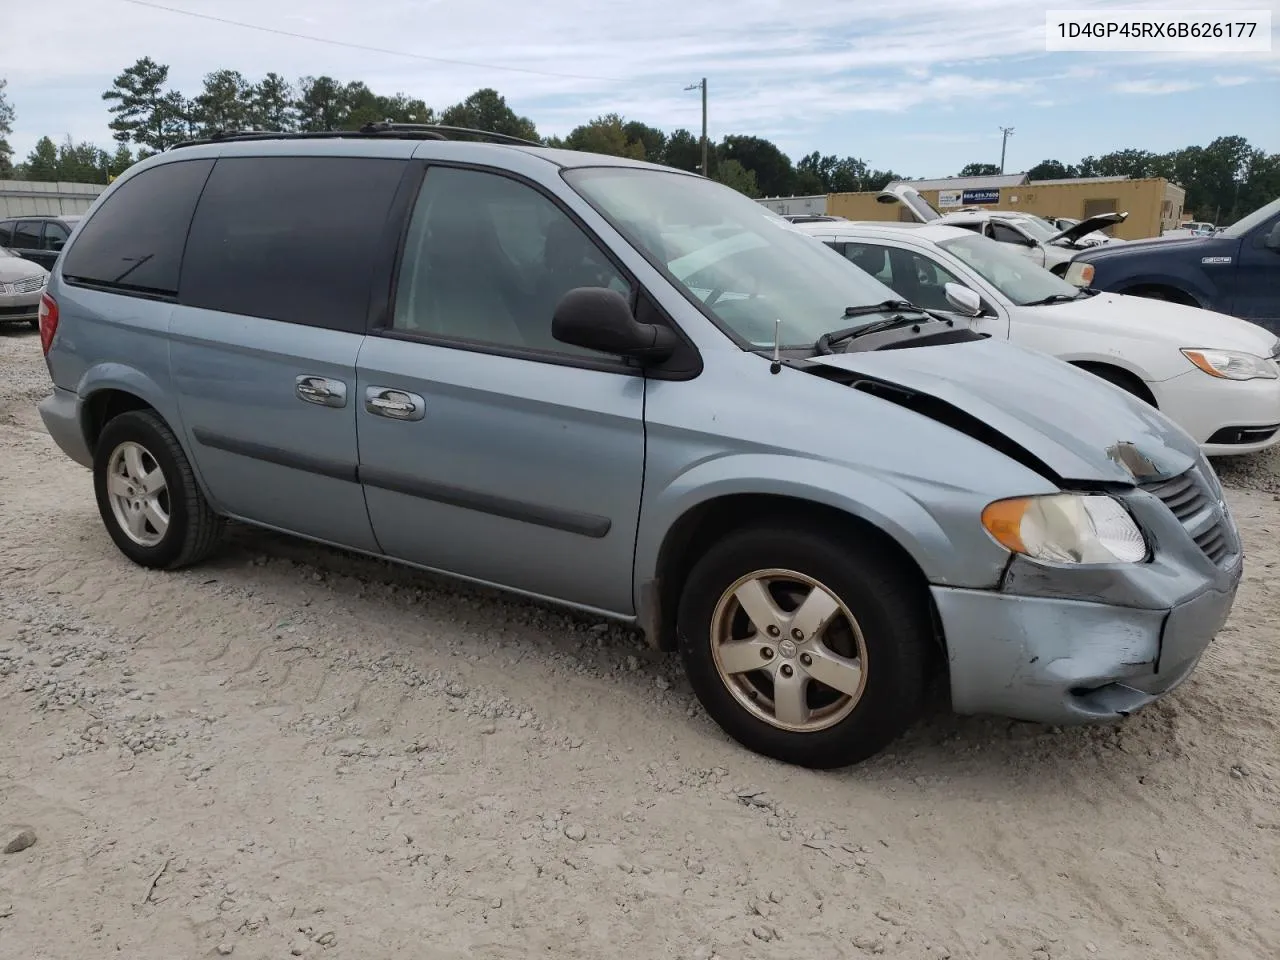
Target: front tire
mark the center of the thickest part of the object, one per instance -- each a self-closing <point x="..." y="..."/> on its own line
<point x="803" y="647"/>
<point x="147" y="494"/>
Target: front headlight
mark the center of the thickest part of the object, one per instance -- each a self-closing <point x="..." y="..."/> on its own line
<point x="1232" y="364"/>
<point x="1066" y="528"/>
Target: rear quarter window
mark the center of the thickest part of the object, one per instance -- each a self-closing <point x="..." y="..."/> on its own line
<point x="294" y="239"/>
<point x="134" y="241"/>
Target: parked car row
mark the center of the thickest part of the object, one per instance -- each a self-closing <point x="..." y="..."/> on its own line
<point x="631" y="390"/>
<point x="21" y="284"/>
<point x="1233" y="270"/>
<point x="1213" y="374"/>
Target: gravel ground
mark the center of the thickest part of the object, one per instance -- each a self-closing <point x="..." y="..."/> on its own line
<point x="290" y="751"/>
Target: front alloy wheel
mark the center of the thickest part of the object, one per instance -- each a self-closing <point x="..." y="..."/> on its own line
<point x="805" y="644"/>
<point x="788" y="650"/>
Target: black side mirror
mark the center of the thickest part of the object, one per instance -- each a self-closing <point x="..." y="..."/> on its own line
<point x="598" y="318"/>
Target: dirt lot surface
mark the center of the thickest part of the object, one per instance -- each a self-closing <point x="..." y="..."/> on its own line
<point x="294" y="752"/>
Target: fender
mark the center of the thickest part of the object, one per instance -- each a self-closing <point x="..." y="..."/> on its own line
<point x="978" y="562"/>
<point x="118" y="376"/>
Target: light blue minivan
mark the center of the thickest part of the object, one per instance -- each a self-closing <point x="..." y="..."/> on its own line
<point x="634" y="391"/>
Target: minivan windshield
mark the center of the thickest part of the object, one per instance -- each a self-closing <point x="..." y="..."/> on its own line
<point x="744" y="265"/>
<point x="1014" y="275"/>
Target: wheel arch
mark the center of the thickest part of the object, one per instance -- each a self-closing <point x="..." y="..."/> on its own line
<point x="705" y="522"/>
<point x="1119" y="375"/>
<point x="108" y="390"/>
<point x="1161" y="290"/>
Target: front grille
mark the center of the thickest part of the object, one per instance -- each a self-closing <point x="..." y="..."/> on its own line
<point x="27" y="285"/>
<point x="1188" y="500"/>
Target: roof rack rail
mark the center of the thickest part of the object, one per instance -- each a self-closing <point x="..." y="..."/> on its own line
<point x="382" y="128"/>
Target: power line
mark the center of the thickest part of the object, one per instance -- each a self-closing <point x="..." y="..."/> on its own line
<point x="367" y="49"/>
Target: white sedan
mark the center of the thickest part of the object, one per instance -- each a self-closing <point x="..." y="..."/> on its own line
<point x="1216" y="376"/>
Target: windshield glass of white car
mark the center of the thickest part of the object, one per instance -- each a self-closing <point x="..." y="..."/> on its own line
<point x="740" y="263"/>
<point x="1018" y="278"/>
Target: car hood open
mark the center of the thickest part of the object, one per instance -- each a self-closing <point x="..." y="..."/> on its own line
<point x="1082" y="430"/>
<point x="1085" y="227"/>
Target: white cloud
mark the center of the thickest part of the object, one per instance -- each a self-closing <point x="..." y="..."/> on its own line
<point x="773" y="68"/>
<point x="1233" y="81"/>
<point x="1155" y="87"/>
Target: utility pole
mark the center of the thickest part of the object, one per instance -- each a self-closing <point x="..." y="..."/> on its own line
<point x="1004" y="141"/>
<point x="702" y="85"/>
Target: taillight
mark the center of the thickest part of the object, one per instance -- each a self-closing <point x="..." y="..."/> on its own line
<point x="48" y="321"/>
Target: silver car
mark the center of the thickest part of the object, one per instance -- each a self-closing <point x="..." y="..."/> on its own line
<point x="21" y="284"/>
<point x="636" y="392"/>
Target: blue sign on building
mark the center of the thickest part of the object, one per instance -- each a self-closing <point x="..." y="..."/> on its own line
<point x="979" y="196"/>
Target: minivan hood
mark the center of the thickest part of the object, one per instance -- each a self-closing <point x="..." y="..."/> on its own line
<point x="1082" y="429"/>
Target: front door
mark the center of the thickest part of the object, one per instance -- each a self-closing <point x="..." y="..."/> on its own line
<point x="488" y="449"/>
<point x="275" y="294"/>
<point x="1257" y="287"/>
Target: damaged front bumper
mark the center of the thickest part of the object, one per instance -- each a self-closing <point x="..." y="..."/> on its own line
<point x="1073" y="644"/>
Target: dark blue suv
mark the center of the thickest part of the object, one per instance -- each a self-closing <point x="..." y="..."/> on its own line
<point x="1235" y="271"/>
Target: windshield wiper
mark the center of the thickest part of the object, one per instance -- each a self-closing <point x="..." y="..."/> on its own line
<point x="1053" y="298"/>
<point x="824" y="342"/>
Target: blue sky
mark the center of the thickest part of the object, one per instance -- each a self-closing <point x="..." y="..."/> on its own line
<point x="919" y="86"/>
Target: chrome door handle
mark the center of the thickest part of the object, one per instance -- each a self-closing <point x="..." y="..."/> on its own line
<point x="320" y="390"/>
<point x="394" y="404"/>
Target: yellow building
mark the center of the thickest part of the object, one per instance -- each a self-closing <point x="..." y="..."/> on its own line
<point x="1153" y="203"/>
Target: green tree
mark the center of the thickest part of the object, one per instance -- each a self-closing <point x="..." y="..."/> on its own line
<point x="606" y="134"/>
<point x="120" y="161"/>
<point x="733" y="174"/>
<point x="138" y="110"/>
<point x="6" y="129"/>
<point x="684" y="151"/>
<point x="400" y="108"/>
<point x="877" y="180"/>
<point x="271" y="104"/>
<point x="82" y="162"/>
<point x="321" y="104"/>
<point x="1051" y="170"/>
<point x="42" y="161"/>
<point x="653" y="140"/>
<point x="979" y="170"/>
<point x="224" y="104"/>
<point x="486" y="109"/>
<point x="774" y="174"/>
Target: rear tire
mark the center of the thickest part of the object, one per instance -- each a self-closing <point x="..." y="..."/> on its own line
<point x="147" y="494"/>
<point x="864" y="625"/>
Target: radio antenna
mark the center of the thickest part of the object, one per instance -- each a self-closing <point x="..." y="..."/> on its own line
<point x="777" y="346"/>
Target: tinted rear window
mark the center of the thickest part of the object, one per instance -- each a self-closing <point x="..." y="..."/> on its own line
<point x="133" y="242"/>
<point x="290" y="238"/>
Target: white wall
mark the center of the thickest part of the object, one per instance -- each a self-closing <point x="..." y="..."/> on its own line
<point x="791" y="206"/>
<point x="22" y="197"/>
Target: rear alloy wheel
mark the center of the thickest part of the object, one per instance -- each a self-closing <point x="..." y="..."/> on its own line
<point x="804" y="648"/>
<point x="148" y="496"/>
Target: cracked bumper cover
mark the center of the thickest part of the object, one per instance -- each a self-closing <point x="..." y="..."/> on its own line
<point x="1072" y="645"/>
